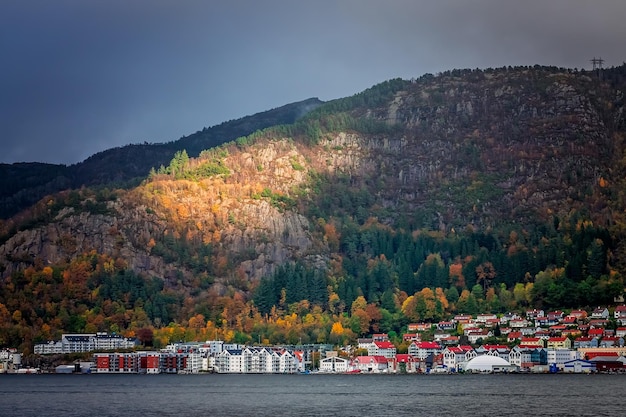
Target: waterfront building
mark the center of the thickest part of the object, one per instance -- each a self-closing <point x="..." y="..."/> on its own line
<point x="334" y="364"/>
<point x="370" y="364"/>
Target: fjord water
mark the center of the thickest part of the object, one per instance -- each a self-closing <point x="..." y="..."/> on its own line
<point x="312" y="395"/>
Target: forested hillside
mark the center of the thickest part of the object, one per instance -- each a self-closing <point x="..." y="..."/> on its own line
<point x="23" y="184"/>
<point x="468" y="191"/>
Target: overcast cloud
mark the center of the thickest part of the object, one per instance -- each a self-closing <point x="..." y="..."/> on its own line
<point x="81" y="76"/>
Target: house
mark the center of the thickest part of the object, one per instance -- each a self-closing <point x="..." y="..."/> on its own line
<point x="571" y="332"/>
<point x="364" y="342"/>
<point x="500" y="351"/>
<point x="410" y="337"/>
<point x="421" y="350"/>
<point x="419" y="327"/>
<point x="288" y="362"/>
<point x="533" y="314"/>
<point x="521" y="357"/>
<point x="370" y="364"/>
<point x="527" y="331"/>
<point x="491" y="323"/>
<point x="557" y="329"/>
<point x="513" y="336"/>
<point x="448" y="340"/>
<point x="455" y="357"/>
<point x="620" y="332"/>
<point x="483" y="318"/>
<point x="333" y="365"/>
<point x="463" y="318"/>
<point x="555" y="316"/>
<point x="600" y="313"/>
<point x="518" y="323"/>
<point x="598" y="323"/>
<point x="620" y="313"/>
<point x="527" y="357"/>
<point x="505" y="331"/>
<point x="584" y="328"/>
<point x="507" y="317"/>
<point x="578" y="314"/>
<point x="406" y="363"/>
<point x="559" y="342"/>
<point x="611" y="341"/>
<point x="476" y="335"/>
<point x="532" y="342"/>
<point x="380" y="337"/>
<point x="446" y="325"/>
<point x="598" y="333"/>
<point x="385" y="349"/>
<point x="543" y="334"/>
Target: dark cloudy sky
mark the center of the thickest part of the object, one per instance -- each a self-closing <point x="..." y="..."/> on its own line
<point x="81" y="76"/>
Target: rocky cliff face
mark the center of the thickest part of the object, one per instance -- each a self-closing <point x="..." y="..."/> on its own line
<point x="468" y="149"/>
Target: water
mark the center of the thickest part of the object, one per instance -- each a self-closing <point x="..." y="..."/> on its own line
<point x="312" y="395"/>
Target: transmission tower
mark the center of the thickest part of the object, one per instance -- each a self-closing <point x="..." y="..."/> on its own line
<point x="597" y="63"/>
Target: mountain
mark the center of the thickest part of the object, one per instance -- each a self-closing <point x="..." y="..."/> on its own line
<point x="471" y="190"/>
<point x="23" y="184"/>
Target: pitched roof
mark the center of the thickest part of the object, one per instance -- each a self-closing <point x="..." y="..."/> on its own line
<point x="428" y="345"/>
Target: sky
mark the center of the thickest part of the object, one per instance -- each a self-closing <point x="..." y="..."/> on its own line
<point x="81" y="76"/>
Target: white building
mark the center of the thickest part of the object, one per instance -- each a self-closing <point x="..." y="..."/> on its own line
<point x="456" y="357"/>
<point x="84" y="342"/>
<point x="386" y="349"/>
<point x="560" y="356"/>
<point x="334" y="364"/>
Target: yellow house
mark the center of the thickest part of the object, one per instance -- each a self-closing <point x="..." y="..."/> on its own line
<point x="559" y="342"/>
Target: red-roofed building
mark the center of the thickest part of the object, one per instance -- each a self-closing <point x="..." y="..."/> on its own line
<point x="421" y="350"/>
<point x="410" y="337"/>
<point x="620" y="332"/>
<point x="513" y="336"/>
<point x="591" y="355"/>
<point x="600" y="313"/>
<point x="555" y="315"/>
<point x="455" y="357"/>
<point x="419" y="327"/>
<point x="578" y="314"/>
<point x="406" y="363"/>
<point x="571" y="332"/>
<point x="463" y="318"/>
<point x="585" y="342"/>
<point x="492" y="322"/>
<point x="559" y="342"/>
<point x="531" y="342"/>
<point x="598" y="323"/>
<point x="449" y="340"/>
<point x="610" y="341"/>
<point x="596" y="332"/>
<point x="385" y="349"/>
<point x="558" y="328"/>
<point x="371" y="364"/>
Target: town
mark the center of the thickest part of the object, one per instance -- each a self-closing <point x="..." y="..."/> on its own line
<point x="538" y="342"/>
